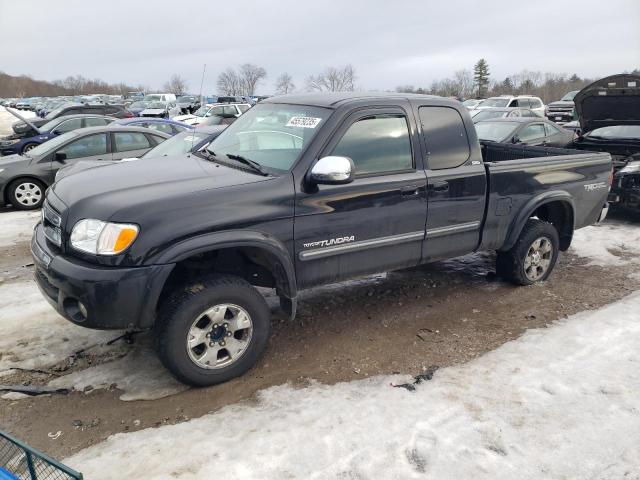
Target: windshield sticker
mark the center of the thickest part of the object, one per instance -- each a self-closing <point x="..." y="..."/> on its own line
<point x="304" y="122"/>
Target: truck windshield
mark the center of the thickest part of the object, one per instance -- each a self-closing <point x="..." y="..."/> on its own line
<point x="272" y="135"/>
<point x="495" y="102"/>
<point x="569" y="96"/>
<point x="495" y="131"/>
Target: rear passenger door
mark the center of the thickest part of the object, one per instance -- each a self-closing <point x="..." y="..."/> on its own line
<point x="129" y="144"/>
<point x="456" y="184"/>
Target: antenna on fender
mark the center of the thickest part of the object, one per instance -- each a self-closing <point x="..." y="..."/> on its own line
<point x="193" y="136"/>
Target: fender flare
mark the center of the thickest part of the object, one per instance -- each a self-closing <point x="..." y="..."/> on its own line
<point x="284" y="272"/>
<point x="531" y="206"/>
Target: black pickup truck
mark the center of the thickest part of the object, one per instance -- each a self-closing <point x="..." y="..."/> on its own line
<point x="301" y="190"/>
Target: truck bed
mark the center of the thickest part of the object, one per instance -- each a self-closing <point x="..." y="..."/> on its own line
<point x="517" y="175"/>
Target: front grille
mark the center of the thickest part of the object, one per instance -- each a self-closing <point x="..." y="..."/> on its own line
<point x="561" y="109"/>
<point x="52" y="222"/>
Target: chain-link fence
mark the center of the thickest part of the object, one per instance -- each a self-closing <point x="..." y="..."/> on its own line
<point x="19" y="461"/>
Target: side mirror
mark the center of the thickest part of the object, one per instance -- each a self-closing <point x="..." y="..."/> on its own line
<point x="332" y="171"/>
<point x="60" y="157"/>
<point x="515" y="139"/>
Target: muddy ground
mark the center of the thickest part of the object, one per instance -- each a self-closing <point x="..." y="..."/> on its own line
<point x="402" y="322"/>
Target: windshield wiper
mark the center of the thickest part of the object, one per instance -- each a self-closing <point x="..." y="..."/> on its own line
<point x="239" y="158"/>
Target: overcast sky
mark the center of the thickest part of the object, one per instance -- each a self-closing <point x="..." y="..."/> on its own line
<point x="389" y="42"/>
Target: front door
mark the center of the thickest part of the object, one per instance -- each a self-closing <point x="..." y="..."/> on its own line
<point x="374" y="223"/>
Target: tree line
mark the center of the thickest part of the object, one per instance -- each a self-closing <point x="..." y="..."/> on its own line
<point x="477" y="83"/>
<point x="248" y="78"/>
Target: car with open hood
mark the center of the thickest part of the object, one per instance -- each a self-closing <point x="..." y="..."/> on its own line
<point x="609" y="115"/>
<point x="24" y="142"/>
<point x="24" y="178"/>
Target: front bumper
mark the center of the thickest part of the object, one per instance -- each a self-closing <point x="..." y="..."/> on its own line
<point x="9" y="149"/>
<point x="93" y="296"/>
<point x="559" y="116"/>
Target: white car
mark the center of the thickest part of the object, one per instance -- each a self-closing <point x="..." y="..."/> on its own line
<point x="211" y="109"/>
<point x="509" y="101"/>
<point x="472" y="103"/>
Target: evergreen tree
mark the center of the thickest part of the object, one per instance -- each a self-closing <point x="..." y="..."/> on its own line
<point x="481" y="76"/>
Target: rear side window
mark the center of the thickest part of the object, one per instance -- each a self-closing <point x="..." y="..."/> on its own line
<point x="96" y="122"/>
<point x="445" y="136"/>
<point x="377" y="144"/>
<point x="161" y="127"/>
<point x="535" y="103"/>
<point x="126" y="141"/>
<point x="552" y="129"/>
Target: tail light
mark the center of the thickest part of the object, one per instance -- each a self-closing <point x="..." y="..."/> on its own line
<point x="128" y="114"/>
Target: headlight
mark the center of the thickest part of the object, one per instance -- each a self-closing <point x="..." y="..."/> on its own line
<point x="102" y="238"/>
<point x="1" y="170"/>
<point x="10" y="142"/>
<point x="633" y="167"/>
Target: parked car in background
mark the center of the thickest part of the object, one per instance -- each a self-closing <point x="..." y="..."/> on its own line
<point x="23" y="143"/>
<point x="24" y="178"/>
<point x="522" y="101"/>
<point x="609" y="115"/>
<point x="136" y="107"/>
<point x="160" y="97"/>
<point x="488" y="113"/>
<point x="160" y="109"/>
<point x="209" y="110"/>
<point x="562" y="110"/>
<point x="167" y="126"/>
<point x="117" y="111"/>
<point x="188" y="104"/>
<point x="524" y="131"/>
<point x="226" y="119"/>
<point x="472" y="103"/>
<point x="185" y="142"/>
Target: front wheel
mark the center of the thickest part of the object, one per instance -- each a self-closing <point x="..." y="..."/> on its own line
<point x="26" y="194"/>
<point x="212" y="331"/>
<point x="534" y="255"/>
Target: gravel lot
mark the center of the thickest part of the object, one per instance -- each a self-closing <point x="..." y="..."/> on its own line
<point x="402" y="322"/>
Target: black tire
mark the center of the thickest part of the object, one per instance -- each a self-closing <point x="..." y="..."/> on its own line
<point x="179" y="312"/>
<point x="510" y="264"/>
<point x="28" y="146"/>
<point x="26" y="194"/>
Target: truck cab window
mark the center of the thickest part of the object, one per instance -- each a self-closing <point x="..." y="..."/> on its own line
<point x="377" y="144"/>
<point x="445" y="137"/>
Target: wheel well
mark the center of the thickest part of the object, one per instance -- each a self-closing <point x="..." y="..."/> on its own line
<point x="256" y="265"/>
<point x="560" y="215"/>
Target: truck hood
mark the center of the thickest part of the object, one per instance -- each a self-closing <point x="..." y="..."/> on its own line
<point x="561" y="103"/>
<point x="613" y="100"/>
<point x="103" y="192"/>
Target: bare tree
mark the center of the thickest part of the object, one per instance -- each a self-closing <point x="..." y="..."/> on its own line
<point x="176" y="85"/>
<point x="463" y="80"/>
<point x="284" y="84"/>
<point x="229" y="82"/>
<point x="251" y="75"/>
<point x="333" y="79"/>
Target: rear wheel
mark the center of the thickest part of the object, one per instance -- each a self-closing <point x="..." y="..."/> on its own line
<point x="533" y="257"/>
<point x="26" y="194"/>
<point x="212" y="331"/>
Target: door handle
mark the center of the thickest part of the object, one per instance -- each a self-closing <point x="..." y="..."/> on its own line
<point x="410" y="191"/>
<point x="440" y="186"/>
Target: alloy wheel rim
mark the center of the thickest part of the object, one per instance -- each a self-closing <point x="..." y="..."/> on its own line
<point x="538" y="258"/>
<point x="28" y="194"/>
<point x="219" y="336"/>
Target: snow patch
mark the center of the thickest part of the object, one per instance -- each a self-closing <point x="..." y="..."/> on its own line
<point x="16" y="227"/>
<point x="139" y="374"/>
<point x="608" y="244"/>
<point x="560" y="402"/>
